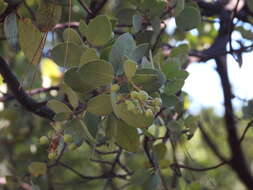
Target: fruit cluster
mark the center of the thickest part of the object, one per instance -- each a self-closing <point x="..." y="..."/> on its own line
<point x="139" y="102"/>
<point x="53" y="139"/>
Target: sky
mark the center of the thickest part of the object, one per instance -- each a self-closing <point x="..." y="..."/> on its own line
<point x="204" y="88"/>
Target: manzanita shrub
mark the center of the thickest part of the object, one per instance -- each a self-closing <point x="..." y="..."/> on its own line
<point x="116" y="115"/>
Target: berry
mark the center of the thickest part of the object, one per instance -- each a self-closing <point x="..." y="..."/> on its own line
<point x="44" y="140"/>
<point x="158" y="101"/>
<point x="148" y="113"/>
<point x="52" y="155"/>
<point x="72" y="146"/>
<point x="157" y="108"/>
<point x="50" y="133"/>
<point x="143" y="95"/>
<point x="67" y="138"/>
<point x="134" y="94"/>
<point x="115" y="88"/>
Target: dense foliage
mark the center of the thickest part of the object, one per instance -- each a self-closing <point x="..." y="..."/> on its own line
<point x="91" y="95"/>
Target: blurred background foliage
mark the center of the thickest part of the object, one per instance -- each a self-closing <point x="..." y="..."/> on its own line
<point x="20" y="130"/>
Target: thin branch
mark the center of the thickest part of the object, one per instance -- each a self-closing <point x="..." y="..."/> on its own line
<point x="250" y="124"/>
<point x="210" y="143"/>
<point x="199" y="169"/>
<point x="22" y="97"/>
<point x="81" y="175"/>
<point x="29" y="10"/>
<point x="96" y="9"/>
<point x="85" y="7"/>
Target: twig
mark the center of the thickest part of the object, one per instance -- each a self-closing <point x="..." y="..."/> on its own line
<point x="199" y="169"/>
<point x="250" y="124"/>
<point x="85" y="7"/>
<point x="210" y="143"/>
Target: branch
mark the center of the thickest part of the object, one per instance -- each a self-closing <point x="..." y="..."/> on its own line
<point x="85" y="7"/>
<point x="245" y="131"/>
<point x="103" y="176"/>
<point x="199" y="169"/>
<point x="238" y="161"/>
<point x="22" y="97"/>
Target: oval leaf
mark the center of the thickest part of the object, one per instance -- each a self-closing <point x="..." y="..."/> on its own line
<point x="100" y="105"/>
<point x="70" y="35"/>
<point x="57" y="106"/>
<point x="67" y="54"/>
<point x="99" y="31"/>
<point x="188" y="19"/>
<point x="129" y="68"/>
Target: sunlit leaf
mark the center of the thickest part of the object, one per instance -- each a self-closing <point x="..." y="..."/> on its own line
<point x="130" y="68"/>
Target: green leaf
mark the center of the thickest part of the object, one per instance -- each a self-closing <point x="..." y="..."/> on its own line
<point x="3" y="6"/>
<point x="99" y="31"/>
<point x="188" y="19"/>
<point x="37" y="168"/>
<point x="100" y="105"/>
<point x="70" y="35"/>
<point x="123" y="46"/>
<point x="159" y="151"/>
<point x="90" y="76"/>
<point x="149" y="79"/>
<point x="74" y="79"/>
<point x="169" y="100"/>
<point x="48" y="15"/>
<point x="92" y="122"/>
<point x="79" y="131"/>
<point x="181" y="52"/>
<point x="90" y="54"/>
<point x="152" y="182"/>
<point x="137" y="120"/>
<point x="72" y="96"/>
<point x="11" y="28"/>
<point x="58" y="107"/>
<point x="172" y="70"/>
<point x="67" y="54"/>
<point x="179" y="7"/>
<point x="97" y="73"/>
<point x="62" y="116"/>
<point x="30" y="40"/>
<point x="139" y="52"/>
<point x="129" y="68"/>
<point x="111" y="127"/>
<point x="127" y="137"/>
<point x="174" y="86"/>
<point x="140" y="177"/>
<point x="83" y="27"/>
<point x="125" y="16"/>
<point x="137" y="23"/>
